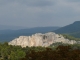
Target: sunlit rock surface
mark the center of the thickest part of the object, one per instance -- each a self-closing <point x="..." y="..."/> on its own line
<point x="40" y="39"/>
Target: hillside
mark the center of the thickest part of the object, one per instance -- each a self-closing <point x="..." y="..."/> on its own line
<point x="72" y="29"/>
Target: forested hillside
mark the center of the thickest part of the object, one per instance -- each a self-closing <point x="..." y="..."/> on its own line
<point x="72" y="29"/>
<point x="57" y="51"/>
<point x="70" y="37"/>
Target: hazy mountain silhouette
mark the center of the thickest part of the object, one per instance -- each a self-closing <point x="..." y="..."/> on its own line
<point x="7" y="27"/>
<point x="7" y="35"/>
<point x="74" y="27"/>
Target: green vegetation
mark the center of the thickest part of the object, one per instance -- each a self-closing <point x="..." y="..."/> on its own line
<point x="60" y="50"/>
<point x="8" y="52"/>
<point x="67" y="36"/>
<point x="61" y="53"/>
<point x="75" y="34"/>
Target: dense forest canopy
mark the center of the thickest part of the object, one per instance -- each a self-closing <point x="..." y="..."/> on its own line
<point x="63" y="51"/>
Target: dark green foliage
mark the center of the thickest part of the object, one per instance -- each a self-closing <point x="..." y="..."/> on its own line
<point x="67" y="36"/>
<point x="57" y="51"/>
<point x="75" y="34"/>
<point x="8" y="52"/>
<point x="61" y="53"/>
<point x="75" y="46"/>
<point x="55" y="45"/>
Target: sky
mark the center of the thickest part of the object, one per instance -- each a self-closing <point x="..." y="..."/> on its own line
<point x="39" y="13"/>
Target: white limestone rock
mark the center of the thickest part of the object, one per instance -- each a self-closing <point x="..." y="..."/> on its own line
<point x="40" y="39"/>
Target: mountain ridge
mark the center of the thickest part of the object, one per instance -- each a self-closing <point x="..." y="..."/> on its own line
<point x="9" y="27"/>
<point x="74" y="27"/>
<point x="11" y="34"/>
<point x="71" y="29"/>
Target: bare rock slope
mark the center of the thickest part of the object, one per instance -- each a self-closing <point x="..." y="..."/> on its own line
<point x="40" y="39"/>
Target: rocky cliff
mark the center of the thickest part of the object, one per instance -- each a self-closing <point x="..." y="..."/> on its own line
<point x="40" y="39"/>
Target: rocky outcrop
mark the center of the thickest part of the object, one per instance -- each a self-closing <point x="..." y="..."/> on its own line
<point x="40" y="39"/>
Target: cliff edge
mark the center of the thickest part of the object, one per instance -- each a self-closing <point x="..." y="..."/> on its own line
<point x="40" y="39"/>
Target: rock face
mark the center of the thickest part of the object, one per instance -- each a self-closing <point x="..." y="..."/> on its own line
<point x="40" y="39"/>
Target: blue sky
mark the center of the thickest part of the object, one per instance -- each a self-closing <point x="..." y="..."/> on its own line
<point x="39" y="13"/>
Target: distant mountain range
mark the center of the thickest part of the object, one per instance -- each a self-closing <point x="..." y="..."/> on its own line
<point x="6" y="27"/>
<point x="72" y="29"/>
<point x="7" y="35"/>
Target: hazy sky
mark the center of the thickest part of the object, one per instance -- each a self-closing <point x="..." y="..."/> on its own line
<point x="37" y="13"/>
